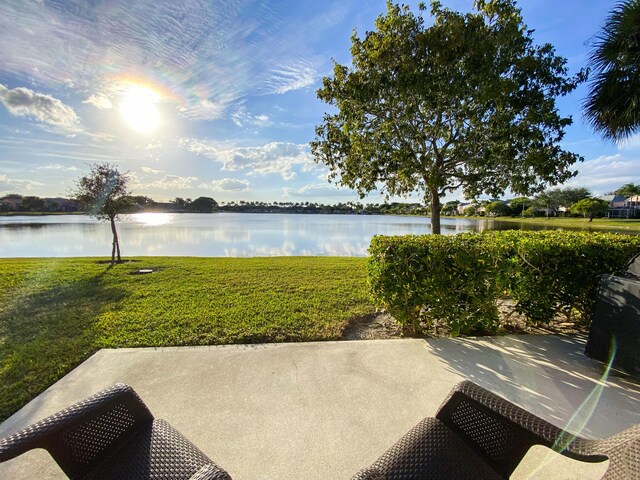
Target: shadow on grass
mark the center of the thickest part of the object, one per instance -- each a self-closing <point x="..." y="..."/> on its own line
<point x="46" y="333"/>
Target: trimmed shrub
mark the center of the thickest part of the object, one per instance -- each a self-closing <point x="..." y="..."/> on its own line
<point x="426" y="279"/>
<point x="457" y="280"/>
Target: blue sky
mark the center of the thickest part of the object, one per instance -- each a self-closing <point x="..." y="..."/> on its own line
<point x="217" y="98"/>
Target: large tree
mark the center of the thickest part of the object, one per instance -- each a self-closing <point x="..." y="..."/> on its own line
<point x="613" y="103"/>
<point x="468" y="102"/>
<point x="104" y="195"/>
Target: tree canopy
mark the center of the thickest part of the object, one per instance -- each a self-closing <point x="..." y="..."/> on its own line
<point x="203" y="205"/>
<point x="555" y="198"/>
<point x="104" y="194"/>
<point x="628" y="190"/>
<point x="590" y="207"/>
<point x="468" y="102"/>
<point x="613" y="103"/>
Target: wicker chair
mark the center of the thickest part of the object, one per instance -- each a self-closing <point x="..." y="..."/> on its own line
<point x="478" y="435"/>
<point x="113" y="435"/>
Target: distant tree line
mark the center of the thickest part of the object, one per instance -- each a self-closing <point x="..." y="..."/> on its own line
<point x="29" y="203"/>
<point x="570" y="201"/>
<point x="140" y="203"/>
<point x="565" y="202"/>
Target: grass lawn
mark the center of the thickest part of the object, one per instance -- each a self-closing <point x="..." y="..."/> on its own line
<point x="632" y="225"/>
<point x="54" y="313"/>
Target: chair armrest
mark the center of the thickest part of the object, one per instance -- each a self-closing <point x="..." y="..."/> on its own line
<point x="210" y="472"/>
<point x="502" y="433"/>
<point x="623" y="451"/>
<point x="107" y="416"/>
<point x="369" y="474"/>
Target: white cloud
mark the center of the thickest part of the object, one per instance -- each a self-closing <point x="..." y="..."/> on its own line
<point x="631" y="143"/>
<point x="241" y="117"/>
<point x="173" y="182"/>
<point x="205" y="109"/>
<point x="10" y="185"/>
<point x="24" y="102"/>
<point x="99" y="100"/>
<point x="227" y="185"/>
<point x="318" y="190"/>
<point x="57" y="166"/>
<point x="151" y="170"/>
<point x="280" y="158"/>
<point x="606" y="173"/>
<point x="292" y="76"/>
<point x="51" y="166"/>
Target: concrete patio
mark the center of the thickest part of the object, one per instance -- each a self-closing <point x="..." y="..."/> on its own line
<point x="325" y="410"/>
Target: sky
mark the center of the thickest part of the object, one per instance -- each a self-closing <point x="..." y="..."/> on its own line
<point x="218" y="98"/>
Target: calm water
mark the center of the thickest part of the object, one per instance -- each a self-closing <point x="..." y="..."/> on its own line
<point x="215" y="235"/>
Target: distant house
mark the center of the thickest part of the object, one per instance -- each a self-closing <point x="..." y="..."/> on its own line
<point x="614" y="201"/>
<point x="462" y="206"/>
<point x="621" y="207"/>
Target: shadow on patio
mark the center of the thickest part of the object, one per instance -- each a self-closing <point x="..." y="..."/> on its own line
<point x="325" y="410"/>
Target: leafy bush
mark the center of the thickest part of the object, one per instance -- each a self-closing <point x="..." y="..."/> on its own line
<point x="457" y="280"/>
<point x="433" y="278"/>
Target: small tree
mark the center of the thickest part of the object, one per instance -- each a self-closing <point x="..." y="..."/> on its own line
<point x="105" y="196"/>
<point x="468" y="102"/>
<point x="590" y="207"/>
<point x="497" y="209"/>
<point x="470" y="211"/>
<point x="519" y="205"/>
<point x="451" y="208"/>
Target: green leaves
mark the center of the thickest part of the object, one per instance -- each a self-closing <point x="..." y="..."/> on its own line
<point x="456" y="281"/>
<point x="612" y="104"/>
<point x="468" y="101"/>
<point x="590" y="207"/>
<point x="104" y="191"/>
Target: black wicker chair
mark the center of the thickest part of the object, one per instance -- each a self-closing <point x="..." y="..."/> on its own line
<point x="113" y="435"/>
<point x="478" y="435"/>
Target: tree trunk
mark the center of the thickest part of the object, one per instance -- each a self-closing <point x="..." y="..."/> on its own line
<point x="435" y="211"/>
<point x="116" y="242"/>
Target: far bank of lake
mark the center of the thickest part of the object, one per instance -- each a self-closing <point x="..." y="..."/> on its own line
<point x="235" y="234"/>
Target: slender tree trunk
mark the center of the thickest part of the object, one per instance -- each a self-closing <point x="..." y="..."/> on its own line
<point x="435" y="211"/>
<point x="116" y="242"/>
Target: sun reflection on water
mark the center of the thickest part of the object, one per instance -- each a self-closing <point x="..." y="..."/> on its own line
<point x="152" y="219"/>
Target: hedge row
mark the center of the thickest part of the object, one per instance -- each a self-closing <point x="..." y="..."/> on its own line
<point x="457" y="280"/>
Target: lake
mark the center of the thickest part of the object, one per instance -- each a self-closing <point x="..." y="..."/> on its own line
<point x="215" y="235"/>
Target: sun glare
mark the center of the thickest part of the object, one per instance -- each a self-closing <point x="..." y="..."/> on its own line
<point x="139" y="110"/>
<point x="153" y="219"/>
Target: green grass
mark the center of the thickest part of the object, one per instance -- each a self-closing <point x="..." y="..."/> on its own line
<point x="631" y="225"/>
<point x="54" y="313"/>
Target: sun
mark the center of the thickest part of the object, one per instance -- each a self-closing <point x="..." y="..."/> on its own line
<point x="139" y="110"/>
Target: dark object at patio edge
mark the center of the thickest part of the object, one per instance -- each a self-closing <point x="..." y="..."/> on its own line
<point x="614" y="336"/>
<point x="478" y="435"/>
<point x="113" y="435"/>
